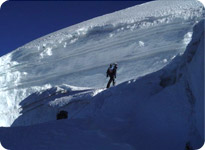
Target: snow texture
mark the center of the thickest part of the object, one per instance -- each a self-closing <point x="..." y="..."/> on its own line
<point x="141" y="39"/>
<point x="162" y="110"/>
<point x="157" y="104"/>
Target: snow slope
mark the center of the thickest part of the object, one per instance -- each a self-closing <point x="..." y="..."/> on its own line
<point x="162" y="110"/>
<point x="141" y="39"/>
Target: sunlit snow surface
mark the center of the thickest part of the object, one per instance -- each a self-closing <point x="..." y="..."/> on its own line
<point x="141" y="39"/>
<point x="161" y="110"/>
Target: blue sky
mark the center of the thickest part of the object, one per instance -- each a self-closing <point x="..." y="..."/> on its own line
<point x="24" y="21"/>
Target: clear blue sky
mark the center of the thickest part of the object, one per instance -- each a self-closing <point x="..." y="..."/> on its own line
<point x="24" y="21"/>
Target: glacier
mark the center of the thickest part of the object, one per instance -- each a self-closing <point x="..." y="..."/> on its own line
<point x="141" y="39"/>
<point x="158" y="100"/>
<point x="161" y="110"/>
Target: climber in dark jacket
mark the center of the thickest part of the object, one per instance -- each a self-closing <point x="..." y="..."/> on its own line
<point x="111" y="72"/>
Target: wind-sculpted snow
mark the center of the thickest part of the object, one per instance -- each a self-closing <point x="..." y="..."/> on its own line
<point x="161" y="110"/>
<point x="141" y="39"/>
<point x="43" y="106"/>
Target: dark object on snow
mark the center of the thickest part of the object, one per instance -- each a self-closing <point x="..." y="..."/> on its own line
<point x="111" y="72"/>
<point x="188" y="146"/>
<point x="167" y="81"/>
<point x="62" y="115"/>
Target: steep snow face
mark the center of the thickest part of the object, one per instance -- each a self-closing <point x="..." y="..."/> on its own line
<point x="141" y="39"/>
<point x="162" y="110"/>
